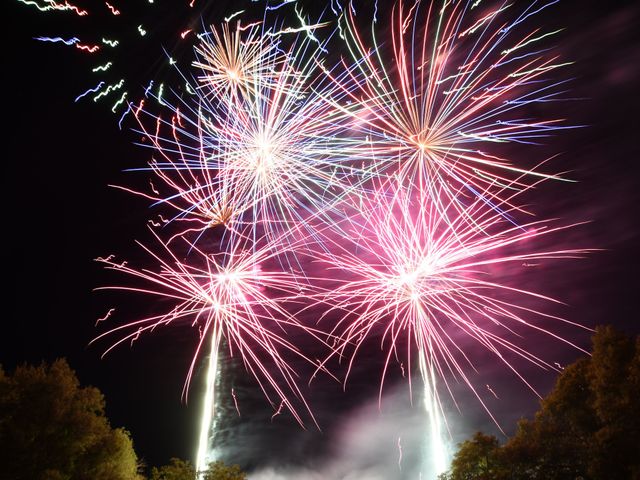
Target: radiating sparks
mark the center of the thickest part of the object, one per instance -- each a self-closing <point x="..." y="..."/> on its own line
<point x="444" y="92"/>
<point x="234" y="59"/>
<point x="231" y="295"/>
<point x="267" y="152"/>
<point x="424" y="279"/>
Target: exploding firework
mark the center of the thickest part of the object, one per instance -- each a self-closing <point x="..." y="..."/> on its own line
<point x="421" y="279"/>
<point x="232" y="296"/>
<point x="236" y="62"/>
<point x="456" y="83"/>
<point x="270" y="154"/>
<point x="389" y="168"/>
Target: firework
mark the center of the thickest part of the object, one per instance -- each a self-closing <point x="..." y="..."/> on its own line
<point x="230" y="295"/>
<point x="456" y="83"/>
<point x="236" y="62"/>
<point x="270" y="153"/>
<point x="420" y="278"/>
<point x="389" y="168"/>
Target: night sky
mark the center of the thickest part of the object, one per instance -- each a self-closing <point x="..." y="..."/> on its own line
<point x="60" y="214"/>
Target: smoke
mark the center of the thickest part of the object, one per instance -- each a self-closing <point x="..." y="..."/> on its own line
<point x="375" y="443"/>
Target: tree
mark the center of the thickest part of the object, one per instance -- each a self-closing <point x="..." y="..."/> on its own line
<point x="176" y="470"/>
<point x="476" y="459"/>
<point x="613" y="380"/>
<point x="183" y="470"/>
<point x="220" y="471"/>
<point x="588" y="427"/>
<point x="53" y="429"/>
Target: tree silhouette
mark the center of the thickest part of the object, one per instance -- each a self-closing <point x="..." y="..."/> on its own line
<point x="178" y="469"/>
<point x="588" y="427"/>
<point x="53" y="429"/>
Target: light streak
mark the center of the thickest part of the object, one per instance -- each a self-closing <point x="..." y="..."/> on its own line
<point x="119" y="102"/>
<point x="233" y="15"/>
<point x="91" y="90"/>
<point x="102" y="68"/>
<point x="70" y="41"/>
<point x="107" y="315"/>
<point x="110" y="88"/>
<point x="51" y="6"/>
<point x="492" y="392"/>
<point x="278" y="6"/>
<point x="208" y="407"/>
<point x="124" y="114"/>
<point x="160" y="92"/>
<point x="438" y="452"/>
<point x="113" y="9"/>
<point x="111" y="43"/>
<point x="235" y="401"/>
<point x="88" y="48"/>
<point x="148" y="89"/>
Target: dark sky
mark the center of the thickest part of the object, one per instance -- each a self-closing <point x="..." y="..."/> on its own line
<point x="60" y="214"/>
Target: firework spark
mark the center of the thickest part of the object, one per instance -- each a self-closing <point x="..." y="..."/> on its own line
<point x="270" y="154"/>
<point x="236" y="62"/>
<point x="230" y="295"/>
<point x="420" y="277"/>
<point x="452" y="87"/>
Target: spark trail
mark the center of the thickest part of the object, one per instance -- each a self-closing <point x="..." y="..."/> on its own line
<point x="230" y="295"/>
<point x="435" y="100"/>
<point x="422" y="281"/>
<point x="258" y="144"/>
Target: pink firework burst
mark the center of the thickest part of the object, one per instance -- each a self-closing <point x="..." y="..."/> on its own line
<point x="230" y="295"/>
<point x="422" y="276"/>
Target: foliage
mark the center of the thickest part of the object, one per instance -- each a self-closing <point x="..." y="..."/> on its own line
<point x="588" y="427"/>
<point x="53" y="429"/>
<point x="220" y="471"/>
<point x="177" y="469"/>
<point x="183" y="470"/>
<point x="477" y="458"/>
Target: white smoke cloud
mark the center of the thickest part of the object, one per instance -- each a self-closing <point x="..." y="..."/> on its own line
<point x="390" y="442"/>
